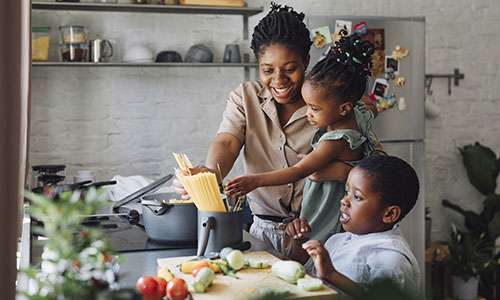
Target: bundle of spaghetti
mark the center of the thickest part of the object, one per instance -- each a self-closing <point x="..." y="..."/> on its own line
<point x="202" y="187"/>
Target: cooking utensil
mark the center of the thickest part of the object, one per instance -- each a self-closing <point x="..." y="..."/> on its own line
<point x="215" y="254"/>
<point x="100" y="50"/>
<point x="169" y="222"/>
<point x="217" y="230"/>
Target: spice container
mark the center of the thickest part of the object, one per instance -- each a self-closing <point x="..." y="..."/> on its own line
<point x="73" y="51"/>
<point x="40" y="40"/>
<point x="73" y="34"/>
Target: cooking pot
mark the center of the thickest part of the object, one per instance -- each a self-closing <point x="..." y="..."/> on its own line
<point x="169" y="222"/>
<point x="218" y="230"/>
<point x="199" y="53"/>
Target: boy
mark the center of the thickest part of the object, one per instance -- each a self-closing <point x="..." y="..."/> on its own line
<point x="379" y="192"/>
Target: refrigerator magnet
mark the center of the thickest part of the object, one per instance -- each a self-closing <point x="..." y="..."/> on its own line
<point x="400" y="81"/>
<point x="380" y="88"/>
<point x="389" y="74"/>
<point x="392" y="63"/>
<point x="360" y="28"/>
<point x="386" y="103"/>
<point x="341" y="25"/>
<point x="399" y="53"/>
<point x="321" y="36"/>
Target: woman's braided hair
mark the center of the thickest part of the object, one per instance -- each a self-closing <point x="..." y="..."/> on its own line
<point x="345" y="67"/>
<point x="284" y="26"/>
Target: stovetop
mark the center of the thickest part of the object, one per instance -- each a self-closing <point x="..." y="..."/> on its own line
<point x="126" y="237"/>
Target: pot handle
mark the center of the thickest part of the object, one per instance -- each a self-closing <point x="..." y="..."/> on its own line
<point x="164" y="208"/>
<point x="206" y="225"/>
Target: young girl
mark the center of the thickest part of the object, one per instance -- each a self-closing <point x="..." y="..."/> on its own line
<point x="331" y="92"/>
<point x="379" y="193"/>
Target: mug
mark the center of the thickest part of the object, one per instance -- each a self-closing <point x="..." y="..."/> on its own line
<point x="100" y="50"/>
<point x="232" y="54"/>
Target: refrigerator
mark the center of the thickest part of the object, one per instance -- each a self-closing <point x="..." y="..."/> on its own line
<point x="401" y="127"/>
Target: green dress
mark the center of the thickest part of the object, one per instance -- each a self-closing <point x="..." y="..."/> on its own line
<point x="321" y="200"/>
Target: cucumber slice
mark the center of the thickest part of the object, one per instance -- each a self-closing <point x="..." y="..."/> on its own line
<point x="310" y="284"/>
<point x="203" y="279"/>
<point x="235" y="260"/>
<point x="224" y="252"/>
<point x="257" y="263"/>
<point x="274" y="293"/>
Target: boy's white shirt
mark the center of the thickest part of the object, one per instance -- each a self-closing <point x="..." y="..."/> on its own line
<point x="370" y="257"/>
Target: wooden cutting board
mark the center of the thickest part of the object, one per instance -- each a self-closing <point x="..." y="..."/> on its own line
<point x="249" y="283"/>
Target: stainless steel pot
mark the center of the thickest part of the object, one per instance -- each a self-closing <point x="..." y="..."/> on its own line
<point x="167" y="222"/>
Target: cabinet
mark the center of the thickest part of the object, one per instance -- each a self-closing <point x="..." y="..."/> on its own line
<point x="245" y="12"/>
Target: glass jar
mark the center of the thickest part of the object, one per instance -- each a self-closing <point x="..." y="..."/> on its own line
<point x="73" y="34"/>
<point x="73" y="51"/>
<point x="40" y="41"/>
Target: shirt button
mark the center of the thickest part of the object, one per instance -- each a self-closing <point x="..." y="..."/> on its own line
<point x="279" y="148"/>
<point x="289" y="185"/>
<point x="281" y="135"/>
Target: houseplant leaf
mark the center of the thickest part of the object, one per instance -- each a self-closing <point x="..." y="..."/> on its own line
<point x="482" y="167"/>
<point x="494" y="226"/>
<point x="491" y="204"/>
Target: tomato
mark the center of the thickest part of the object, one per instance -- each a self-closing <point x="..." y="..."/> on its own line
<point x="177" y="289"/>
<point x="198" y="267"/>
<point x="149" y="288"/>
<point x="162" y="285"/>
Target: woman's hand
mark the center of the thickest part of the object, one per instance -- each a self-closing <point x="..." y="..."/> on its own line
<point x="242" y="185"/>
<point x="320" y="257"/>
<point x="298" y="229"/>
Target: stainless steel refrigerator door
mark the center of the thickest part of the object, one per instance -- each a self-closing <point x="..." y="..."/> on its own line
<point x="393" y="124"/>
<point x="413" y="224"/>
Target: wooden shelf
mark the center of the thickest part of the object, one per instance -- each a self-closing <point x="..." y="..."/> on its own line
<point x="147" y="8"/>
<point x="153" y="64"/>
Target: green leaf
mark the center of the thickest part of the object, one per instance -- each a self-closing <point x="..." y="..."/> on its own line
<point x="491" y="204"/>
<point x="482" y="167"/>
<point x="494" y="226"/>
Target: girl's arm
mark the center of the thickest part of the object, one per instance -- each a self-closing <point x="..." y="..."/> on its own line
<point x="326" y="271"/>
<point x="318" y="158"/>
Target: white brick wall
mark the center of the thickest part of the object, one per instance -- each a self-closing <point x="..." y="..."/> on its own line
<point x="128" y="120"/>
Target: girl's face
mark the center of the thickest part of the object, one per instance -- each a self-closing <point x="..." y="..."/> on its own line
<point x="362" y="210"/>
<point x="322" y="110"/>
<point x="281" y="71"/>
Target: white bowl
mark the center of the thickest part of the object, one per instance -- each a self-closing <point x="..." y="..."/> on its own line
<point x="138" y="53"/>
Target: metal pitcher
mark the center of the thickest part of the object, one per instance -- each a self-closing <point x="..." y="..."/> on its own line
<point x="100" y="50"/>
<point x="217" y="230"/>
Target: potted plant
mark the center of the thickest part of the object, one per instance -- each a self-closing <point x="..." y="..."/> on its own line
<point x="468" y="255"/>
<point x="483" y="168"/>
<point x="77" y="262"/>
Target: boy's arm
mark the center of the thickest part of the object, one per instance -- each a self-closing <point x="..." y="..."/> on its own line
<point x="324" y="153"/>
<point x="327" y="272"/>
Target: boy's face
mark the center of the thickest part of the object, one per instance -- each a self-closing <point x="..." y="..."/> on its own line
<point x="362" y="210"/>
<point x="282" y="71"/>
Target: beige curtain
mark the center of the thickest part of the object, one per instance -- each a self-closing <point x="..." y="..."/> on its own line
<point x="15" y="68"/>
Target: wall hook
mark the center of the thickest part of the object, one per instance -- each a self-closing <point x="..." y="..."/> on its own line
<point x="456" y="76"/>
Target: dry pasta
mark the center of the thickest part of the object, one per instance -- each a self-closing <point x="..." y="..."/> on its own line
<point x="202" y="187"/>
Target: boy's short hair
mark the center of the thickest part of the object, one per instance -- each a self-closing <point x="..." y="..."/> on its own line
<point x="394" y="179"/>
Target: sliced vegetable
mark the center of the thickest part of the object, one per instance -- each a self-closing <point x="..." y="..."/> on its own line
<point x="235" y="260"/>
<point x="257" y="263"/>
<point x="224" y="252"/>
<point x="226" y="271"/>
<point x="274" y="293"/>
<point x="165" y="274"/>
<point x="198" y="267"/>
<point x="204" y="278"/>
<point x="288" y="270"/>
<point x="188" y="266"/>
<point x="310" y="284"/>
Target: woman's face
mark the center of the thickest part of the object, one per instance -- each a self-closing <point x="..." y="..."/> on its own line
<point x="282" y="70"/>
<point x="361" y="209"/>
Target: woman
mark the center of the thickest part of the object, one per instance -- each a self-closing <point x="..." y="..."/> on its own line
<point x="267" y="118"/>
